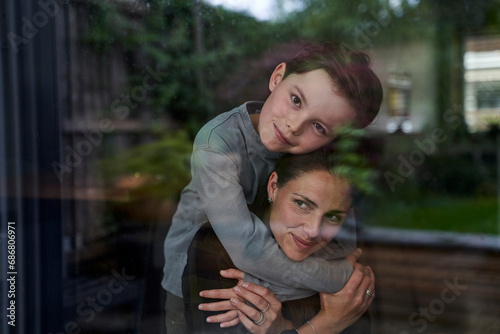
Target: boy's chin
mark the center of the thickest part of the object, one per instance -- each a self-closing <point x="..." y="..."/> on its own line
<point x="294" y="150"/>
<point x="278" y="148"/>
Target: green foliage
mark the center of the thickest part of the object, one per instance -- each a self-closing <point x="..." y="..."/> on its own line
<point x="105" y="23"/>
<point x="451" y="189"/>
<point x="162" y="167"/>
<point x="363" y="24"/>
<point x="162" y="34"/>
<point x="443" y="213"/>
<point x="351" y="164"/>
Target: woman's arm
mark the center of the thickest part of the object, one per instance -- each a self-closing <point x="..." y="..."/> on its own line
<point x="248" y="241"/>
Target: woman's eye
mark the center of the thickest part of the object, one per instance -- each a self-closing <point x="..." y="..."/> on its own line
<point x="301" y="204"/>
<point x="320" y="128"/>
<point x="296" y="100"/>
<point x="334" y="220"/>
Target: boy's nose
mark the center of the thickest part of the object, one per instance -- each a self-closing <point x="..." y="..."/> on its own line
<point x="295" y="125"/>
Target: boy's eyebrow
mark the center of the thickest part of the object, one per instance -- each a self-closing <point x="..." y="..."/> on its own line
<point x="301" y="93"/>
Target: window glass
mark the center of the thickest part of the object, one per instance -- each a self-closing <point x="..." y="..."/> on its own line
<point x="100" y="104"/>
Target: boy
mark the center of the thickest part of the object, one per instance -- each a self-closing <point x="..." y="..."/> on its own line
<point x="320" y="89"/>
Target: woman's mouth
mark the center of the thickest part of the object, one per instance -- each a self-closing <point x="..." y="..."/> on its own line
<point x="303" y="244"/>
<point x="280" y="136"/>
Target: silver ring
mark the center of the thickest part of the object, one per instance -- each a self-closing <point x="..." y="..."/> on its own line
<point x="261" y="320"/>
<point x="267" y="307"/>
<point x="369" y="293"/>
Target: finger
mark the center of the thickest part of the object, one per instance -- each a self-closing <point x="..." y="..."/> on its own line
<point x="224" y="317"/>
<point x="261" y="291"/>
<point x="367" y="287"/>
<point x="216" y="306"/>
<point x="249" y="311"/>
<point x="356" y="278"/>
<point x="233" y="273"/>
<point x="371" y="274"/>
<point x="248" y="323"/>
<point x="218" y="294"/>
<point x="231" y="323"/>
<point x="258" y="300"/>
<point x="358" y="252"/>
<point x="370" y="278"/>
<point x="354" y="256"/>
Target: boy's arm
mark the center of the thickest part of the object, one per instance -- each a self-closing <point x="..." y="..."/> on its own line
<point x="341" y="247"/>
<point x="248" y="241"/>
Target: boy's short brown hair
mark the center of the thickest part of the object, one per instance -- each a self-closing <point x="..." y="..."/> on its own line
<point x="350" y="72"/>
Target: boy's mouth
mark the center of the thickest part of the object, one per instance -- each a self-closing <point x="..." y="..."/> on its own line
<point x="280" y="136"/>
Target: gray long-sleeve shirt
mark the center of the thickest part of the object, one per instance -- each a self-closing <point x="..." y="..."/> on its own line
<point x="228" y="164"/>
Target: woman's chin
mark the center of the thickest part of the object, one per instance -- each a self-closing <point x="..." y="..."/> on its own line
<point x="296" y="256"/>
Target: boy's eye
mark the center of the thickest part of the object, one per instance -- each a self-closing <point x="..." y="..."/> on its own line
<point x="296" y="100"/>
<point x="320" y="128"/>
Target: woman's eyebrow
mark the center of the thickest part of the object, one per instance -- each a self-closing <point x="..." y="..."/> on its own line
<point x="307" y="199"/>
<point x="310" y="201"/>
<point x="336" y="212"/>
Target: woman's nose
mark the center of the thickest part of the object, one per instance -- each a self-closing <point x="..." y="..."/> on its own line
<point x="312" y="228"/>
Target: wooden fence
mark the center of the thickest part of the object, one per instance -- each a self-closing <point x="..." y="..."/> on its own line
<point x="435" y="285"/>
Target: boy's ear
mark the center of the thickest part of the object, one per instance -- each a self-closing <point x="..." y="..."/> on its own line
<point x="277" y="76"/>
<point x="272" y="185"/>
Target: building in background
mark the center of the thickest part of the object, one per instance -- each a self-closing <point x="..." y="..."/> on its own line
<point x="482" y="82"/>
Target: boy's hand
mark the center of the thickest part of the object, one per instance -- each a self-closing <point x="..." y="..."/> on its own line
<point x="265" y="316"/>
<point x="354" y="257"/>
<point x="229" y="318"/>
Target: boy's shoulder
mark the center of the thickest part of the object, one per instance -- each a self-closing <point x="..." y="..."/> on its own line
<point x="230" y="127"/>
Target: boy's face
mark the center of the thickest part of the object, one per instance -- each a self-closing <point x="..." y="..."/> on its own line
<point x="301" y="111"/>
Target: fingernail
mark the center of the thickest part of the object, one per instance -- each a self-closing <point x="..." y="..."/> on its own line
<point x="222" y="325"/>
<point x="234" y="301"/>
<point x="200" y="307"/>
<point x="222" y="272"/>
<point x="202" y="293"/>
<point x="245" y="285"/>
<point x="237" y="288"/>
<point x="209" y="319"/>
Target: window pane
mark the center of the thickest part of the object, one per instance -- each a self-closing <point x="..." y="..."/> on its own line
<point x="100" y="104"/>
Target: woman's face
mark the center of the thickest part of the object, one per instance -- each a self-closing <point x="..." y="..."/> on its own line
<point x="307" y="212"/>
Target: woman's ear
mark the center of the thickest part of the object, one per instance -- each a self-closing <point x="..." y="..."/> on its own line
<point x="272" y="185"/>
<point x="277" y="76"/>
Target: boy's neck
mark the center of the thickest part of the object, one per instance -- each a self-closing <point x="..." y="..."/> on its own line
<point x="255" y="121"/>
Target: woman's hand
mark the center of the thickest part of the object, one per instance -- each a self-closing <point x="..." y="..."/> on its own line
<point x="266" y="317"/>
<point x="354" y="256"/>
<point x="341" y="309"/>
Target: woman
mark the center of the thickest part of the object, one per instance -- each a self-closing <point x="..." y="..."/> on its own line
<point x="306" y="205"/>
